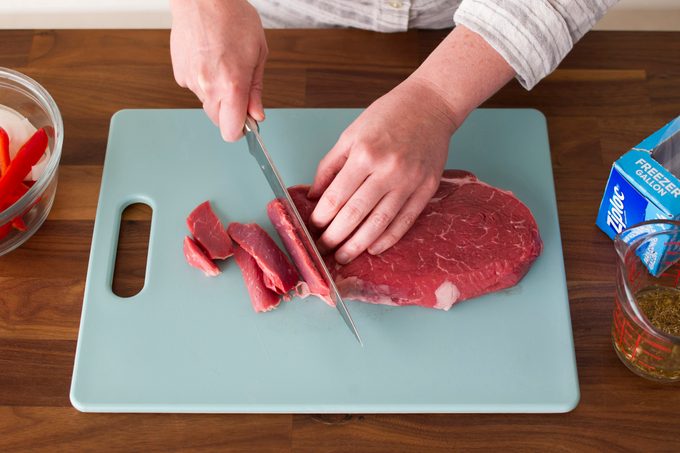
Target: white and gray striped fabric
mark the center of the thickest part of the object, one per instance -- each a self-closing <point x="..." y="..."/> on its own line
<point x="532" y="35"/>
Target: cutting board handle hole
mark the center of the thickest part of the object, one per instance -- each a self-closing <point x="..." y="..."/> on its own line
<point x="129" y="272"/>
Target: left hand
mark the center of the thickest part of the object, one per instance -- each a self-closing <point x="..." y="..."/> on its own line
<point x="383" y="170"/>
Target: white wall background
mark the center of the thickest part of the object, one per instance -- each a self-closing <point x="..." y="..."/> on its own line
<point x="643" y="15"/>
<point x="18" y="14"/>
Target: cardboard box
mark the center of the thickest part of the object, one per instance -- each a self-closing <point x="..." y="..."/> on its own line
<point x="643" y="186"/>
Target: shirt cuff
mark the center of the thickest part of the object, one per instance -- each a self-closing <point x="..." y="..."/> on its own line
<point x="529" y="34"/>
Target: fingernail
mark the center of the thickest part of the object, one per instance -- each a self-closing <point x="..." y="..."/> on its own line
<point x="342" y="257"/>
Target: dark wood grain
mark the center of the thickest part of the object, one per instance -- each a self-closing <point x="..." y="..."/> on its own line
<point x="132" y="251"/>
<point x="50" y="429"/>
<point x="611" y="91"/>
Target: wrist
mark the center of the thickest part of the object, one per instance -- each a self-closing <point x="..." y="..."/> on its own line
<point x="446" y="108"/>
<point x="464" y="71"/>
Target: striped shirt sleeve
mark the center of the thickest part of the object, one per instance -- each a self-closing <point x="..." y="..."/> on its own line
<point x="532" y="35"/>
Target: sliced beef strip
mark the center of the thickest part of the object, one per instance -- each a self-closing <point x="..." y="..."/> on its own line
<point x="312" y="282"/>
<point x="278" y="273"/>
<point x="261" y="297"/>
<point x="209" y="232"/>
<point x="197" y="258"/>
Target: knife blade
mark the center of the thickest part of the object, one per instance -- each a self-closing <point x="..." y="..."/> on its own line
<point x="257" y="149"/>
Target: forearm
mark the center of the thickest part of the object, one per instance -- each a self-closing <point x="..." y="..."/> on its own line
<point x="464" y="71"/>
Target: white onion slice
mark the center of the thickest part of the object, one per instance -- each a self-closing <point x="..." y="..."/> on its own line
<point x="20" y="130"/>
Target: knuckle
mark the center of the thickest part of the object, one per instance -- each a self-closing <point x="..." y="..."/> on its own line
<point x="179" y="78"/>
<point x="368" y="156"/>
<point x="380" y="220"/>
<point x="208" y="86"/>
<point x="332" y="199"/>
<point x="205" y="80"/>
<point x="251" y="48"/>
<point x="431" y="183"/>
<point x="236" y="80"/>
<point x="232" y="88"/>
<point x="353" y="212"/>
<point x="192" y="87"/>
<point x="346" y="136"/>
<point x="408" y="219"/>
<point x="395" y="164"/>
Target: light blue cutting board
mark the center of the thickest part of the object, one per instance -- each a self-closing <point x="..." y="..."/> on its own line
<point x="187" y="343"/>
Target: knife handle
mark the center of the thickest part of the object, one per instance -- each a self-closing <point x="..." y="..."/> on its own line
<point x="251" y="125"/>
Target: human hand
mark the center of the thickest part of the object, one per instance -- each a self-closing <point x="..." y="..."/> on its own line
<point x="383" y="170"/>
<point x="218" y="51"/>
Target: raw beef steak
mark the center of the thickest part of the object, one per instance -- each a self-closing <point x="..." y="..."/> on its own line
<point x="278" y="273"/>
<point x="262" y="298"/>
<point x="209" y="232"/>
<point x="198" y="259"/>
<point x="471" y="239"/>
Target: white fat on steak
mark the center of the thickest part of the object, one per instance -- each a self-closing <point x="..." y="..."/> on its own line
<point x="447" y="295"/>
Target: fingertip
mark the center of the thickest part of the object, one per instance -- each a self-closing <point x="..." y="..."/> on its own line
<point x="320" y="183"/>
<point x="377" y="248"/>
<point x="255" y="109"/>
<point x="230" y="136"/>
<point x="342" y="257"/>
<point x="314" y="219"/>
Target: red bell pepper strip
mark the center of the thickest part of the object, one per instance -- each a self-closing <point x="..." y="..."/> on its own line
<point x="18" y="222"/>
<point x="5" y="160"/>
<point x="6" y="228"/>
<point x="4" y="151"/>
<point x="23" y="162"/>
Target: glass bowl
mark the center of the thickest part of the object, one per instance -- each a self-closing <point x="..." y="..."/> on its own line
<point x="28" y="98"/>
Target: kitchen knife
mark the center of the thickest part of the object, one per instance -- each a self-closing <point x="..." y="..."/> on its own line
<point x="259" y="152"/>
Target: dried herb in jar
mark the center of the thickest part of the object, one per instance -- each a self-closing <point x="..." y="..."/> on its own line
<point x="661" y="306"/>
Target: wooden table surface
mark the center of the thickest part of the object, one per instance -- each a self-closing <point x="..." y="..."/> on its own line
<point x="614" y="89"/>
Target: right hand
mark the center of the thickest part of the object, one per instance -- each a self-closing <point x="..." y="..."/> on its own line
<point x="218" y="51"/>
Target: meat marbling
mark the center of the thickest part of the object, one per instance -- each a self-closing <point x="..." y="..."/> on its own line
<point x="471" y="239"/>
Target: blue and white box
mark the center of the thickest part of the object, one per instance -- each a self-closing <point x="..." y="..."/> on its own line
<point x="643" y="186"/>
